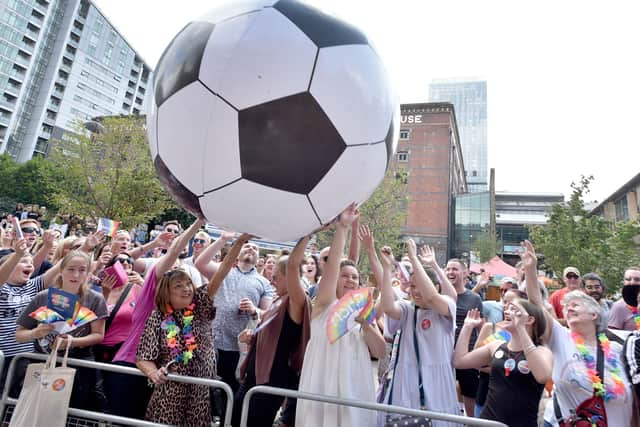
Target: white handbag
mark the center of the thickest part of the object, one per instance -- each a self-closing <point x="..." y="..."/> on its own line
<point x="45" y="395"/>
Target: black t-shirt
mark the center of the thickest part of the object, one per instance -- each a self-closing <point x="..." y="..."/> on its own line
<point x="466" y="301"/>
<point x="42" y="269"/>
<point x="281" y="373"/>
<point x="513" y="399"/>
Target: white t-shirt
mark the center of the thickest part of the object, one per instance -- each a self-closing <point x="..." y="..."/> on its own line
<point x="572" y="385"/>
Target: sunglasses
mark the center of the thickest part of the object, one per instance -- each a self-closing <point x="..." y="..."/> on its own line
<point x="128" y="260"/>
<point x="199" y="241"/>
<point x="29" y="229"/>
<point x="325" y="258"/>
<point x="173" y="230"/>
<point x="572" y="276"/>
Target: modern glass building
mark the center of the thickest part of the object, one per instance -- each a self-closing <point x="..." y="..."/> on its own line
<point x="62" y="61"/>
<point x="469" y="98"/>
<point x="473" y="217"/>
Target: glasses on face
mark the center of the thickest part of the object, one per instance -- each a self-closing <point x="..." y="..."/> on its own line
<point x="592" y="287"/>
<point x="29" y="229"/>
<point x="128" y="260"/>
<point x="173" y="230"/>
<point x="572" y="276"/>
<point x="504" y="290"/>
<point x="199" y="241"/>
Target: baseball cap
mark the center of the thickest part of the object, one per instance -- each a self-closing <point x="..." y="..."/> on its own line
<point x="509" y="280"/>
<point x="570" y="270"/>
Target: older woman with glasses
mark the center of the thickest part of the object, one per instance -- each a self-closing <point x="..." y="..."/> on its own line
<point x="576" y="352"/>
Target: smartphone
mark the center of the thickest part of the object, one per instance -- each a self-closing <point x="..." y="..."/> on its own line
<point x="16" y="227"/>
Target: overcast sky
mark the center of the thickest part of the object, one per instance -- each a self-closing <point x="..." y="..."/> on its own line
<point x="562" y="76"/>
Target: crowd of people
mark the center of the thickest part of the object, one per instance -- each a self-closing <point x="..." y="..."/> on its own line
<point x="203" y="308"/>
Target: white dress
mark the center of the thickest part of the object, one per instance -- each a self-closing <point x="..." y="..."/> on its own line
<point x="435" y="335"/>
<point x="340" y="369"/>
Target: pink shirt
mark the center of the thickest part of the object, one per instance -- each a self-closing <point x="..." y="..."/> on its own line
<point x="144" y="306"/>
<point x="120" y="328"/>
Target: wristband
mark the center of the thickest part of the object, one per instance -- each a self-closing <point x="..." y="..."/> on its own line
<point x="529" y="349"/>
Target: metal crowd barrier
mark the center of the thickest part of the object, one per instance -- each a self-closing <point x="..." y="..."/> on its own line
<point x="99" y="417"/>
<point x="438" y="416"/>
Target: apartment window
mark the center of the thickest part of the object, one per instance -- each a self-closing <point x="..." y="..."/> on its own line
<point x="403" y="156"/>
<point x="404" y="133"/>
<point x="622" y="209"/>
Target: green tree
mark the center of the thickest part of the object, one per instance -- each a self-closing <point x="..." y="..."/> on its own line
<point x="573" y="237"/>
<point x="385" y="212"/>
<point x="109" y="174"/>
<point x="487" y="245"/>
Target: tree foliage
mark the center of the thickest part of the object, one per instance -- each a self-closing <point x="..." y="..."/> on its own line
<point x="385" y="212"/>
<point x="487" y="245"/>
<point x="109" y="174"/>
<point x="573" y="237"/>
<point x="29" y="183"/>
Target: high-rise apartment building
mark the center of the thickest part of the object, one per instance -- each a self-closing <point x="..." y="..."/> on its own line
<point x="469" y="98"/>
<point x="62" y="61"/>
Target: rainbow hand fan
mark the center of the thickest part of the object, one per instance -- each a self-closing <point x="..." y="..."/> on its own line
<point x="83" y="317"/>
<point x="498" y="336"/>
<point x="46" y="315"/>
<point x="342" y="318"/>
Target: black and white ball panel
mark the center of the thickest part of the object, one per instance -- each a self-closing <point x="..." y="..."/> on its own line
<point x="180" y="62"/>
<point x="247" y="57"/>
<point x="391" y="140"/>
<point x="231" y="9"/>
<point x="152" y="128"/>
<point x="198" y="139"/>
<point x="324" y="29"/>
<point x="182" y="195"/>
<point x="359" y="171"/>
<point x="261" y="210"/>
<point x="351" y="85"/>
<point x="274" y="148"/>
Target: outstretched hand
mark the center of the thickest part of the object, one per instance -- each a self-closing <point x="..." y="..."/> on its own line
<point x="349" y="215"/>
<point x="528" y="254"/>
<point x="427" y="255"/>
<point x="473" y="319"/>
<point x="412" y="249"/>
<point x="366" y="236"/>
<point x="386" y="257"/>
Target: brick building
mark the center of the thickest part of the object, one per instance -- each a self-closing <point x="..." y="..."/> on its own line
<point x="429" y="149"/>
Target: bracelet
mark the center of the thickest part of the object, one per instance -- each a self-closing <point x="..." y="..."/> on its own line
<point x="529" y="349"/>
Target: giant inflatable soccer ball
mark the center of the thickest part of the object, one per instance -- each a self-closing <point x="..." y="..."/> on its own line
<point x="270" y="117"/>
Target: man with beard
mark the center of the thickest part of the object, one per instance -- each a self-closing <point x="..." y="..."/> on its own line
<point x="243" y="295"/>
<point x="593" y="285"/>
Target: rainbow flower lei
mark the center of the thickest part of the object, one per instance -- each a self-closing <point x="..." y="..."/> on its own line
<point x="169" y="324"/>
<point x="636" y="316"/>
<point x="611" y="391"/>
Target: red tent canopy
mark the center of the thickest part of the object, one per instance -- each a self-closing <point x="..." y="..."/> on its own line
<point x="495" y="267"/>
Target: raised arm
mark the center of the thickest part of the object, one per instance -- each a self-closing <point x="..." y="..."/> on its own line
<point x="204" y="263"/>
<point x="327" y="289"/>
<point x="163" y="239"/>
<point x="530" y="264"/>
<point x="354" y="244"/>
<point x="226" y="265"/>
<point x="47" y="243"/>
<point x="366" y="236"/>
<point x="483" y="282"/>
<point x="297" y="295"/>
<point x="389" y="305"/>
<point x="428" y="257"/>
<point x="422" y="282"/>
<point x="540" y="358"/>
<point x="21" y="250"/>
<point x="167" y="260"/>
<point x="481" y="356"/>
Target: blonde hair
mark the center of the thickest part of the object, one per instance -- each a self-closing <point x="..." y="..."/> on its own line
<point x="163" y="291"/>
<point x="67" y="243"/>
<point x="84" y="288"/>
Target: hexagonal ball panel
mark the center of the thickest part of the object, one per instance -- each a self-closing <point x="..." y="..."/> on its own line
<point x="362" y="112"/>
<point x="248" y="207"/>
<point x="353" y="178"/>
<point x="257" y="57"/>
<point x="288" y="144"/>
<point x="180" y="193"/>
<point x="198" y="139"/>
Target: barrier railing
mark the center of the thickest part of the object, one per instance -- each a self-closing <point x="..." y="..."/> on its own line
<point x="261" y="389"/>
<point x="99" y="416"/>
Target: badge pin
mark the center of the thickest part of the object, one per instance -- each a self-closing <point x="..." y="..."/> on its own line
<point x="523" y="367"/>
<point x="509" y="365"/>
<point x="499" y="354"/>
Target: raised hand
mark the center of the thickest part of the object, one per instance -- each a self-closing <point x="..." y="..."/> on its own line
<point x="427" y="255"/>
<point x="349" y="215"/>
<point x="473" y="319"/>
<point x="519" y="316"/>
<point x="386" y="257"/>
<point x="366" y="236"/>
<point x="48" y="238"/>
<point x="21" y="247"/>
<point x="94" y="239"/>
<point x="228" y="235"/>
<point x="528" y="254"/>
<point x="135" y="278"/>
<point x="108" y="282"/>
<point x="412" y="249"/>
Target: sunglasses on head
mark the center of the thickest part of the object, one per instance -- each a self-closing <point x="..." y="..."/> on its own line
<point x="200" y="241"/>
<point x="29" y="229"/>
<point x="128" y="260"/>
<point x="571" y="276"/>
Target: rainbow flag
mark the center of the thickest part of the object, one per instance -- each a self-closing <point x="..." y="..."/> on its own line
<point x="108" y="226"/>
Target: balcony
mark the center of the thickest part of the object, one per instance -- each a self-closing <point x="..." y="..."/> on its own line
<point x="13" y="89"/>
<point x="26" y="47"/>
<point x="71" y="42"/>
<point x="7" y="105"/>
<point x="33" y="35"/>
<point x="57" y="93"/>
<point x="5" y="119"/>
<point x="65" y="67"/>
<point x="53" y="107"/>
<point x="46" y="133"/>
<point x="22" y="60"/>
<point x="17" y="75"/>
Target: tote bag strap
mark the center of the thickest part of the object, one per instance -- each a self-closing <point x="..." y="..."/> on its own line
<point x="415" y="346"/>
<point x="53" y="357"/>
<point x="66" y="352"/>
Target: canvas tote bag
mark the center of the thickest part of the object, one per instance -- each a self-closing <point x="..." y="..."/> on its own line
<point x="44" y="399"/>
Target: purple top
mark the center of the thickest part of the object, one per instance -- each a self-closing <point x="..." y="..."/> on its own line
<point x="144" y="307"/>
